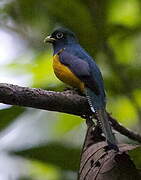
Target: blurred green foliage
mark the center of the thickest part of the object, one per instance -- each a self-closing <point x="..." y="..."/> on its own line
<point x="54" y="154"/>
<point x="135" y="155"/>
<point x="8" y="115"/>
<point x="111" y="32"/>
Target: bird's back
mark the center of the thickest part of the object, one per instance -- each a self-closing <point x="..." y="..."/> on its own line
<point x="78" y="51"/>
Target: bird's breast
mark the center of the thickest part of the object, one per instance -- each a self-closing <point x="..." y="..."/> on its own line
<point x="66" y="75"/>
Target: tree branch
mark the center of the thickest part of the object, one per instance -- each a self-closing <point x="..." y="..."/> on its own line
<point x="66" y="102"/>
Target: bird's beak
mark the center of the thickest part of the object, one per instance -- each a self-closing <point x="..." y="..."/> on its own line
<point x="49" y="39"/>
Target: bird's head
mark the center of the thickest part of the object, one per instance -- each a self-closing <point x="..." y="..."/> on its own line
<point x="61" y="37"/>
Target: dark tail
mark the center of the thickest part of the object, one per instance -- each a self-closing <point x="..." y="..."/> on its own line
<point x="98" y="107"/>
<point x="107" y="130"/>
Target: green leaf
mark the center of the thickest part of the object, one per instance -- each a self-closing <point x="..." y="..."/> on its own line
<point x="66" y="123"/>
<point x="135" y="155"/>
<point x="42" y="71"/>
<point x="124" y="12"/>
<point x="123" y="110"/>
<point x="8" y="115"/>
<point x="66" y="158"/>
<point x="124" y="48"/>
<point x="38" y="170"/>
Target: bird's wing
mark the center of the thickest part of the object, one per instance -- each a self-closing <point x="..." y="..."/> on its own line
<point x="81" y="69"/>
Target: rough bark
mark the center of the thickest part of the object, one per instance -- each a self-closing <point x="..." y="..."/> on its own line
<point x="66" y="101"/>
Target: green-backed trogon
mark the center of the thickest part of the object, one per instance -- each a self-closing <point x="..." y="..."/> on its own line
<point x="74" y="66"/>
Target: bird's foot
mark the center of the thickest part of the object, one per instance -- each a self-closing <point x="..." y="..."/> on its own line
<point x="72" y="90"/>
<point x="89" y="120"/>
<point x="111" y="146"/>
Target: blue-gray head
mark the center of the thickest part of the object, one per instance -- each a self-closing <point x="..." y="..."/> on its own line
<point x="61" y="37"/>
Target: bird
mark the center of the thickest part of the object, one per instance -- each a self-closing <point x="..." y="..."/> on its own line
<point x="75" y="67"/>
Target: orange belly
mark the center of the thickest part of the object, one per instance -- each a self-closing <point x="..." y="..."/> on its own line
<point x="65" y="75"/>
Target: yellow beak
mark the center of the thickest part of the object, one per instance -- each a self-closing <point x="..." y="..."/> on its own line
<point x="49" y="39"/>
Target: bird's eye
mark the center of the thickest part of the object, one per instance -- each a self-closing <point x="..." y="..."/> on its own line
<point x="59" y="35"/>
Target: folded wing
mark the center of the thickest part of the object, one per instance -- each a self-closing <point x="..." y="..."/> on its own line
<point x="81" y="69"/>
